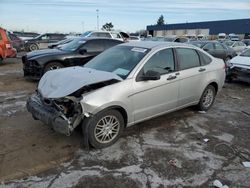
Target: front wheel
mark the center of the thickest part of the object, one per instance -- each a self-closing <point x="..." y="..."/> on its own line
<point x="207" y="98"/>
<point x="105" y="128"/>
<point x="33" y="47"/>
<point x="52" y="66"/>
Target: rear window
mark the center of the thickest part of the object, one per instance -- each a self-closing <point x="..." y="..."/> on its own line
<point x="187" y="58"/>
<point x="205" y="59"/>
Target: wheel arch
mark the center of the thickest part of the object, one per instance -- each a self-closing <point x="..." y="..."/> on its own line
<point x="215" y="85"/>
<point x="121" y="110"/>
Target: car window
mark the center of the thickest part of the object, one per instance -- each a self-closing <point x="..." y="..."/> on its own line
<point x="1" y="36"/>
<point x="208" y="46"/>
<point x="111" y="43"/>
<point x="120" y="60"/>
<point x="187" y="58"/>
<point x="44" y="37"/>
<point x="106" y="35"/>
<point x="218" y="46"/>
<point x="241" y="44"/>
<point x="205" y="59"/>
<point x="162" y="62"/>
<point x="246" y="53"/>
<point x="93" y="46"/>
<point x="116" y="35"/>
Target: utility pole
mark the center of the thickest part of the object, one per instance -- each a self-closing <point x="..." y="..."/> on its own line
<point x="97" y="16"/>
<point x="82" y="26"/>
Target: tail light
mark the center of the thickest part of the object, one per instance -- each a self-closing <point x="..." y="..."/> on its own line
<point x="8" y="45"/>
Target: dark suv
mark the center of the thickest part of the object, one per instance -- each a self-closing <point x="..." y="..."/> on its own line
<point x="42" y="41"/>
<point x="75" y="53"/>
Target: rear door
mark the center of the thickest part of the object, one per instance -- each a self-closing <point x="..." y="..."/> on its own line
<point x="190" y="75"/>
<point x="43" y="41"/>
<point x="220" y="51"/>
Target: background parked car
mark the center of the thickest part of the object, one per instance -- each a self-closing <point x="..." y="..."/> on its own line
<point x="16" y="42"/>
<point x="239" y="67"/>
<point x="103" y="34"/>
<point x="77" y="52"/>
<point x="237" y="46"/>
<point x="6" y="48"/>
<point x="233" y="37"/>
<point x="216" y="49"/>
<point x="42" y="41"/>
<point x="59" y="43"/>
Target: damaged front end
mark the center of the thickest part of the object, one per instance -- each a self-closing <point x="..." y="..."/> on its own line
<point x="63" y="115"/>
<point x="57" y="102"/>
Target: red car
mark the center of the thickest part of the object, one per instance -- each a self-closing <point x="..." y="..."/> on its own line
<point x="6" y="49"/>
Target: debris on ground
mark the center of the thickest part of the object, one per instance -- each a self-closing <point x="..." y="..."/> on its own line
<point x="246" y="164"/>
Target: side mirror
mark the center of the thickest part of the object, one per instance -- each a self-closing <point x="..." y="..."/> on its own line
<point x="150" y="75"/>
<point x="82" y="51"/>
<point x="205" y="49"/>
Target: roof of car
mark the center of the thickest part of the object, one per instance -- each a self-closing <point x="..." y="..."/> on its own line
<point x="155" y="44"/>
<point x="96" y="38"/>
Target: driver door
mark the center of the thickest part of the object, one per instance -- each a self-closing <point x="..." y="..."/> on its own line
<point x="155" y="97"/>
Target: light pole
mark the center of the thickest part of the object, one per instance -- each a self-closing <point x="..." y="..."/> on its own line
<point x="97" y="16"/>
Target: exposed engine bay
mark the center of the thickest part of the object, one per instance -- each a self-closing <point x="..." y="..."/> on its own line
<point x="63" y="114"/>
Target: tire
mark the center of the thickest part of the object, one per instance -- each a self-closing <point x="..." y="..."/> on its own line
<point x="52" y="66"/>
<point x="99" y="127"/>
<point x="33" y="47"/>
<point x="207" y="98"/>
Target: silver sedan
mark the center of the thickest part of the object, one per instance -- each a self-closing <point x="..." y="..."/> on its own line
<point x="125" y="85"/>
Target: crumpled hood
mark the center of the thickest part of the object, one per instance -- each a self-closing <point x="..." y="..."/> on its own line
<point x="62" y="82"/>
<point x="241" y="61"/>
<point x="45" y="52"/>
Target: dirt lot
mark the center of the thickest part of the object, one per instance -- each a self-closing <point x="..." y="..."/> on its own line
<point x="168" y="151"/>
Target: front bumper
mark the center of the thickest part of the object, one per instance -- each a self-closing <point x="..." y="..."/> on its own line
<point x="31" y="69"/>
<point x="241" y="74"/>
<point x="48" y="115"/>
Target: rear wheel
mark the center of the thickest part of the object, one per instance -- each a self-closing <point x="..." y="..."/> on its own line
<point x="52" y="66"/>
<point x="105" y="128"/>
<point x="33" y="47"/>
<point x="207" y="98"/>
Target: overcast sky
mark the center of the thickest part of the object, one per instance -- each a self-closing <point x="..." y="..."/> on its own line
<point x="130" y="15"/>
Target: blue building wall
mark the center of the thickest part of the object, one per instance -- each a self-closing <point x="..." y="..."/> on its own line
<point x="240" y="26"/>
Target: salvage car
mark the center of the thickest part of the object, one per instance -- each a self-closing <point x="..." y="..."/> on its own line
<point x="125" y="85"/>
<point x="77" y="52"/>
<point x="239" y="67"/>
<point x="216" y="49"/>
<point x="42" y="41"/>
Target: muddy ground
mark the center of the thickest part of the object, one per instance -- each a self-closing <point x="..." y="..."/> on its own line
<point x="169" y="151"/>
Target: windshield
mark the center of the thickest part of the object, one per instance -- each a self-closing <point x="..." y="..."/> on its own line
<point x="85" y="34"/>
<point x="73" y="45"/>
<point x="120" y="60"/>
<point x="246" y="53"/>
<point x="39" y="36"/>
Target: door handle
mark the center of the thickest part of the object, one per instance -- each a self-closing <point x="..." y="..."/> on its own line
<point x="202" y="69"/>
<point x="171" y="77"/>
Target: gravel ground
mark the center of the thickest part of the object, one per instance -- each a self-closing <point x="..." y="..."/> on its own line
<point x="169" y="151"/>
